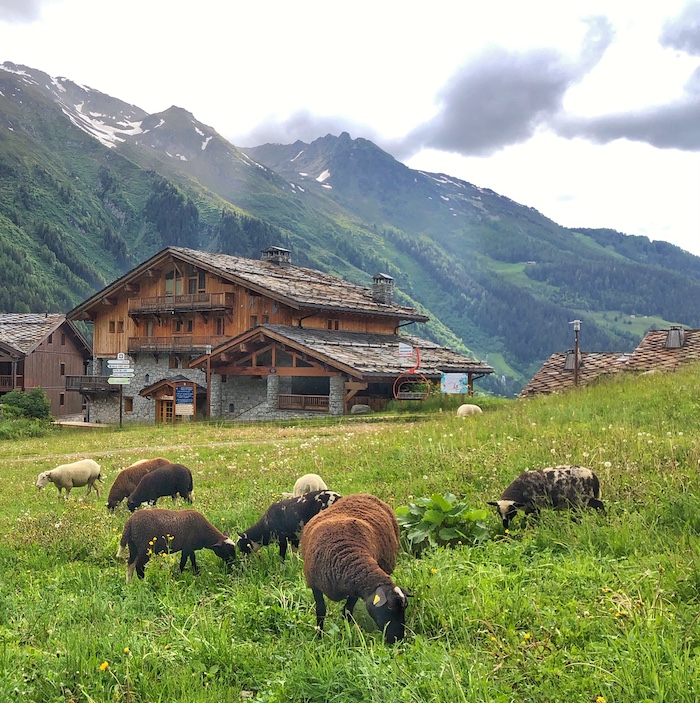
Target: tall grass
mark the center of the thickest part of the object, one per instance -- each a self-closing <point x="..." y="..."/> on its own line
<point x="559" y="609"/>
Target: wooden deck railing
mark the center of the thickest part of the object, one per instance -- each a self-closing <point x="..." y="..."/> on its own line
<point x="303" y="402"/>
<point x="9" y="383"/>
<point x="190" y="301"/>
<point x="177" y="344"/>
<point x="90" y="384"/>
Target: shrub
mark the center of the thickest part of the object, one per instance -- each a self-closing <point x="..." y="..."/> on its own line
<point x="33" y="403"/>
<point x="441" y="521"/>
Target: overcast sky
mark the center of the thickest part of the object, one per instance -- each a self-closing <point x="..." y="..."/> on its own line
<point x="591" y="117"/>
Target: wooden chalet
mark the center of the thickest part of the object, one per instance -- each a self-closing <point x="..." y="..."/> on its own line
<point x="659" y="350"/>
<point x="40" y="350"/>
<point x="254" y="339"/>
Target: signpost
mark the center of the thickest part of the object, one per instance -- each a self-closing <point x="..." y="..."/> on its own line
<point x="122" y="373"/>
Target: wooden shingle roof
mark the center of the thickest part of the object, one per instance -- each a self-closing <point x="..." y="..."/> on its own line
<point x="295" y="286"/>
<point x="651" y="354"/>
<point x="553" y="376"/>
<point x="365" y="355"/>
<point x="23" y="332"/>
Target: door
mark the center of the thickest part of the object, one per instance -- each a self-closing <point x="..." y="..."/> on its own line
<point x="165" y="411"/>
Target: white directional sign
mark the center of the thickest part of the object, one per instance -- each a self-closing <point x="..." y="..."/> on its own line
<point x="119" y="381"/>
<point x="117" y="373"/>
<point x="118" y="364"/>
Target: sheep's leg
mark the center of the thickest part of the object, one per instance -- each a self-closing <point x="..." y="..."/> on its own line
<point x="97" y="490"/>
<point x="195" y="568"/>
<point x="283" y="547"/>
<point x="130" y="571"/>
<point x="349" y="606"/>
<point x="140" y="565"/>
<point x="183" y="560"/>
<point x="67" y="492"/>
<point x="320" y="610"/>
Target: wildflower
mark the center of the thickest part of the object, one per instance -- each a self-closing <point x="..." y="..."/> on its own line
<point x="526" y="636"/>
<point x="607" y="464"/>
<point x="127" y="650"/>
<point x="600" y="699"/>
<point x="104" y="666"/>
<point x="433" y="570"/>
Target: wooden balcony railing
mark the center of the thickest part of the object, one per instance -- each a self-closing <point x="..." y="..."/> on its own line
<point x="10" y="383"/>
<point x="90" y="384"/>
<point x="177" y="344"/>
<point x="190" y="301"/>
<point x="303" y="402"/>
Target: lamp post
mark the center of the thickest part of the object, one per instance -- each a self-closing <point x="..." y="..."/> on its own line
<point x="577" y="328"/>
<point x="208" y="409"/>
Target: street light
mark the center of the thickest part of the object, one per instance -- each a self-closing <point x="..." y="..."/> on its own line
<point x="577" y="329"/>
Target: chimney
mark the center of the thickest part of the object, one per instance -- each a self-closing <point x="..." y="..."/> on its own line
<point x="675" y="338"/>
<point x="382" y="287"/>
<point x="277" y="255"/>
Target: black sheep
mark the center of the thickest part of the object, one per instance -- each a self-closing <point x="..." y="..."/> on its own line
<point x="165" y="481"/>
<point x="558" y="487"/>
<point x="284" y="521"/>
<point x="349" y="551"/>
<point x="127" y="480"/>
<point x="157" y="531"/>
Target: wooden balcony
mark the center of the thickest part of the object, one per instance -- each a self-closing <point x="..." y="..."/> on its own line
<point x="90" y="385"/>
<point x="175" y="344"/>
<point x="10" y="383"/>
<point x="192" y="302"/>
<point x="303" y="402"/>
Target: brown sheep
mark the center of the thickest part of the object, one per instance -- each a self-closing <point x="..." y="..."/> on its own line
<point x="167" y="480"/>
<point x="349" y="550"/>
<point x="156" y="531"/>
<point x="127" y="480"/>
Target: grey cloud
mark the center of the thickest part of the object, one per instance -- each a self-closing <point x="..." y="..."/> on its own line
<point x="683" y="32"/>
<point x="18" y="11"/>
<point x="503" y="97"/>
<point x="672" y="126"/>
<point x="301" y="125"/>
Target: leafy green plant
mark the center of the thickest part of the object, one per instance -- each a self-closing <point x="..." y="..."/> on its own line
<point x="32" y="403"/>
<point x="442" y="520"/>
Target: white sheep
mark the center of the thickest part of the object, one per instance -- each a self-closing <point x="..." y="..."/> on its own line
<point x="467" y="410"/>
<point x="75" y="475"/>
<point x="305" y="484"/>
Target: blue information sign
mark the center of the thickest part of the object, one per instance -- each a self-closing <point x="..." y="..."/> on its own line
<point x="184" y="395"/>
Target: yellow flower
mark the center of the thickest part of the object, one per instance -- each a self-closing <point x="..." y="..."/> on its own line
<point x="526" y="636"/>
<point x="104" y="666"/>
<point x="127" y="650"/>
<point x="433" y="570"/>
<point x="600" y="699"/>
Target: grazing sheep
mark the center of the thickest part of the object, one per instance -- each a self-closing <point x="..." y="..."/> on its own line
<point x="127" y="479"/>
<point x="156" y="531"/>
<point x="165" y="481"/>
<point x="75" y="475"/>
<point x="558" y="487"/>
<point x="467" y="410"/>
<point x="284" y="521"/>
<point x="306" y="484"/>
<point x="349" y="551"/>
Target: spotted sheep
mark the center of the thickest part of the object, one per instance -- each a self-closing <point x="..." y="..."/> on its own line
<point x="559" y="487"/>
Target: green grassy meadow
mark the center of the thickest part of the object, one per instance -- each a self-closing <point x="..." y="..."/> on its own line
<point x="604" y="608"/>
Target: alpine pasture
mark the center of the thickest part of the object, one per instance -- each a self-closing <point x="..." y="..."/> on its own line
<point x="567" y="607"/>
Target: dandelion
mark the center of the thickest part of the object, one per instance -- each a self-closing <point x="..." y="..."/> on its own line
<point x="104" y="666"/>
<point x="600" y="699"/>
<point x="526" y="636"/>
<point x="433" y="570"/>
<point x="607" y="464"/>
<point x="127" y="650"/>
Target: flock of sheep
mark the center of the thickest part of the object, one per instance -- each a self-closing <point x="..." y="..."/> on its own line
<point x="349" y="544"/>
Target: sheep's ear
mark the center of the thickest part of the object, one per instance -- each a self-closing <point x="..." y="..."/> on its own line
<point x="379" y="597"/>
<point x="492" y="502"/>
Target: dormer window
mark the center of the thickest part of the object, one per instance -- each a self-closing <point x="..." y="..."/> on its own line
<point x="675" y="338"/>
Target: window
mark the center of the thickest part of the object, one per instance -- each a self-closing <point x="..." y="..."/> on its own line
<point x="173" y="283"/>
<point x="231" y="407"/>
<point x="174" y="362"/>
<point x="190" y="326"/>
<point x="253" y="320"/>
<point x="178" y="325"/>
<point x="202" y="282"/>
<point x="128" y="405"/>
<point x="63" y="338"/>
<point x="63" y="369"/>
<point x="220" y="326"/>
<point x="112" y="326"/>
<point x="62" y="399"/>
<point x="192" y="286"/>
<point x="50" y="339"/>
<point x="224" y="378"/>
<point x="120" y="329"/>
<point x="266" y="319"/>
<point x="334" y="324"/>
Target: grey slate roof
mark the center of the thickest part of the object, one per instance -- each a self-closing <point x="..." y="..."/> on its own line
<point x="372" y="355"/>
<point x="295" y="286"/>
<point x="23" y="332"/>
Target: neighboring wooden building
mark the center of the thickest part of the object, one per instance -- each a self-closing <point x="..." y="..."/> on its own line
<point x="42" y="350"/>
<point x="252" y="339"/>
<point x="659" y="350"/>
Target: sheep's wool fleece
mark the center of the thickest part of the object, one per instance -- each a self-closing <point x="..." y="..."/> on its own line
<point x="347" y="546"/>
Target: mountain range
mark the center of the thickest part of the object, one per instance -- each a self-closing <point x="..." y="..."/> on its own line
<point x="91" y="186"/>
